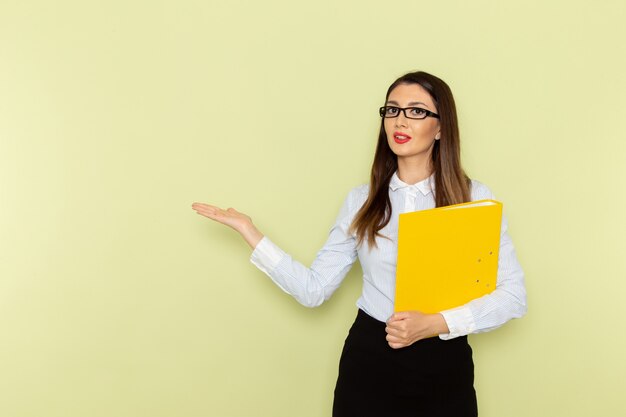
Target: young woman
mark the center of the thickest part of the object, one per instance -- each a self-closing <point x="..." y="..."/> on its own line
<point x="406" y="363"/>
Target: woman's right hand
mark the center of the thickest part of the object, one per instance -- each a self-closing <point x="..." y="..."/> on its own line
<point x="232" y="218"/>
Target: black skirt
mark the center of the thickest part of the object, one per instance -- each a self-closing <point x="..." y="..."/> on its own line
<point x="430" y="378"/>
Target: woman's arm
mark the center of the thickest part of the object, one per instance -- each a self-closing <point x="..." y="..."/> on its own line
<point x="310" y="286"/>
<point x="506" y="302"/>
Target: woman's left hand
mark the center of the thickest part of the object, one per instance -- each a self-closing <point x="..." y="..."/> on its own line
<point x="407" y="327"/>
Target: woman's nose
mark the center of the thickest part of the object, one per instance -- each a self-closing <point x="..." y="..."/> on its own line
<point x="401" y="120"/>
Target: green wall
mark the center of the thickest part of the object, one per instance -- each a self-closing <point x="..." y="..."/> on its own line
<point x="117" y="300"/>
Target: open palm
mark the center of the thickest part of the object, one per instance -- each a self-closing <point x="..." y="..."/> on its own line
<point x="231" y="218"/>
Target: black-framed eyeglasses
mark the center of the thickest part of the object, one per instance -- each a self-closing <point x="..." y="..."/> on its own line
<point x="417" y="113"/>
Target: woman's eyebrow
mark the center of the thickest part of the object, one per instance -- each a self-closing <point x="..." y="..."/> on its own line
<point x="413" y="103"/>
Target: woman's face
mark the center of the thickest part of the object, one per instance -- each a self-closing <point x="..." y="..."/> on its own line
<point x="411" y="137"/>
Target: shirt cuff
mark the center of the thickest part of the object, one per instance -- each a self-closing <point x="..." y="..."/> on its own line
<point x="460" y="322"/>
<point x="266" y="255"/>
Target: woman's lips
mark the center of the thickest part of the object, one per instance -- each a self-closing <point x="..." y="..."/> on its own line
<point x="401" y="138"/>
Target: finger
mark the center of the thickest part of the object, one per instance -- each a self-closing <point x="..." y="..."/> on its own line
<point x="397" y="325"/>
<point x="399" y="336"/>
<point x="203" y="206"/>
<point x="213" y="214"/>
<point x="203" y="210"/>
<point x="396" y="345"/>
<point x="216" y="212"/>
<point x="393" y="339"/>
<point x="393" y="331"/>
<point x="396" y="339"/>
<point x="209" y="212"/>
<point x="400" y="315"/>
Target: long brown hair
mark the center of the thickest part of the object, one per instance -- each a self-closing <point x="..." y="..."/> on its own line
<point x="452" y="185"/>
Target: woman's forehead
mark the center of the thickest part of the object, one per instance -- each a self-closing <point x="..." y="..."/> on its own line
<point x="405" y="94"/>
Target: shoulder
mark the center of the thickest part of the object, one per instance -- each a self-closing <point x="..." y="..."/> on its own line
<point x="352" y="203"/>
<point x="480" y="191"/>
<point x="358" y="195"/>
<point x="355" y="198"/>
<point x="360" y="191"/>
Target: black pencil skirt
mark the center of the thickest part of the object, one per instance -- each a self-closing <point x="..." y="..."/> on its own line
<point x="430" y="378"/>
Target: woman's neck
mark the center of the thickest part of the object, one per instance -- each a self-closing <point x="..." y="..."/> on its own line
<point x="413" y="170"/>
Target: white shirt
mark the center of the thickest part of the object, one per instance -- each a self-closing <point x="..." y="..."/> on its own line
<point x="312" y="286"/>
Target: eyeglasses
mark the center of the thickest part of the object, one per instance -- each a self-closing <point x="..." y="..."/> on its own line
<point x="416" y="113"/>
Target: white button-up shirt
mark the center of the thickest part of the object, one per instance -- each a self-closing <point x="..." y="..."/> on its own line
<point x="314" y="285"/>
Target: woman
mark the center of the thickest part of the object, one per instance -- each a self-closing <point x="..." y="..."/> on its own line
<point x="391" y="364"/>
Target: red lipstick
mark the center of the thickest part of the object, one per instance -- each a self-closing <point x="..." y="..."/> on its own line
<point x="401" y="138"/>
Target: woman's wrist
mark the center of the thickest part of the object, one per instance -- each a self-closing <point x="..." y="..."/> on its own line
<point x="251" y="234"/>
<point x="439" y="324"/>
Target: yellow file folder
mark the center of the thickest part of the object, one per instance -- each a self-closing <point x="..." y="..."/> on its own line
<point x="447" y="256"/>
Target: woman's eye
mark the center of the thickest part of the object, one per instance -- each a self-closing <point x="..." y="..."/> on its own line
<point x="392" y="111"/>
<point x="416" y="111"/>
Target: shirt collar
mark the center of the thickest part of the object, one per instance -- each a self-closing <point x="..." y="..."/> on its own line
<point x="425" y="186"/>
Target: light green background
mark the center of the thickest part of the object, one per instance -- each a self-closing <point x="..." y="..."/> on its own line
<point x="117" y="300"/>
